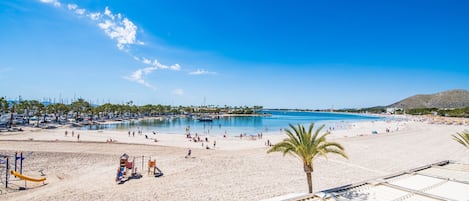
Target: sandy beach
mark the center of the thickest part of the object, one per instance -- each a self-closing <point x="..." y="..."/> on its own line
<point x="235" y="169"/>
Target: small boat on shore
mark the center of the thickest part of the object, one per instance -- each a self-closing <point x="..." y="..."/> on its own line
<point x="205" y="118"/>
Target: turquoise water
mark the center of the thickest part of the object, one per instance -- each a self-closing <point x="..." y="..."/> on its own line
<point x="237" y="125"/>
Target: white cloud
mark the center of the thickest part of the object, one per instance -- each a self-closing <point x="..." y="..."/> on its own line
<point x="175" y="67"/>
<point x="123" y="31"/>
<point x="202" y="72"/>
<point x="56" y="3"/>
<point x="72" y="6"/>
<point x="94" y="16"/>
<point x="116" y="27"/>
<point x="179" y="92"/>
<point x="120" y="29"/>
<point x="146" y="61"/>
<point x="108" y="13"/>
<point x="137" y="77"/>
<point x="80" y="11"/>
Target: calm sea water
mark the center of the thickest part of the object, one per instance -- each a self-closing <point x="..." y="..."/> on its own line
<point x="237" y="125"/>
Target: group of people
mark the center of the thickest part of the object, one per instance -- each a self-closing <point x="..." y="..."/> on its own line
<point x="197" y="138"/>
<point x="140" y="132"/>
<point x="73" y="134"/>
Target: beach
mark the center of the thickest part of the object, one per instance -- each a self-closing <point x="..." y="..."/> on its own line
<point x="235" y="169"/>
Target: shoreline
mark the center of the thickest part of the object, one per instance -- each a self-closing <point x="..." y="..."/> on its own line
<point x="229" y="141"/>
<point x="237" y="169"/>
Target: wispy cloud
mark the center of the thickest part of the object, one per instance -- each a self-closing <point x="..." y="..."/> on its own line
<point x="137" y="77"/>
<point x="202" y="72"/>
<point x="122" y="30"/>
<point x="179" y="92"/>
<point x="56" y="3"/>
<point x="116" y="27"/>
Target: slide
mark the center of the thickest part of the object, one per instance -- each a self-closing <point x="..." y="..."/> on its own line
<point x="120" y="174"/>
<point x="17" y="174"/>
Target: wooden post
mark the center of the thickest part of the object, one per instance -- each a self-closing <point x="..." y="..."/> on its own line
<point x="21" y="163"/>
<point x="6" y="173"/>
<point x="16" y="157"/>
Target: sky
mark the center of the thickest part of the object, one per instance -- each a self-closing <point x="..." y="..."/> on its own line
<point x="311" y="54"/>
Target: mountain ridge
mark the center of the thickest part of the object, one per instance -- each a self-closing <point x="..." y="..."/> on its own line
<point x="455" y="98"/>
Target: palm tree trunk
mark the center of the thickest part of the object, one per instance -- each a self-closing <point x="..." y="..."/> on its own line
<point x="308" y="170"/>
<point x="310" y="182"/>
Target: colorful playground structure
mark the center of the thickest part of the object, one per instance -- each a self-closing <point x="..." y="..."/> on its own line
<point x="5" y="165"/>
<point x="152" y="168"/>
<point x="128" y="170"/>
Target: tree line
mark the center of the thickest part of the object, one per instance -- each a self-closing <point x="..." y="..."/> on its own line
<point x="446" y="112"/>
<point x="81" y="108"/>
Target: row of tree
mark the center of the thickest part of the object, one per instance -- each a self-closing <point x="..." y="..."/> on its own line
<point x="456" y="112"/>
<point x="447" y="112"/>
<point x="81" y="108"/>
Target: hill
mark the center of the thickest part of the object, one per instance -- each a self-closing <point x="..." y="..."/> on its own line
<point x="445" y="99"/>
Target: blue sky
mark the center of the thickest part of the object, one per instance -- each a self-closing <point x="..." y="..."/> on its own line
<point x="280" y="54"/>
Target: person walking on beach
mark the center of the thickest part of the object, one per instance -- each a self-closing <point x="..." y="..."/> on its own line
<point x="78" y="137"/>
<point x="73" y="134"/>
<point x="189" y="152"/>
<point x="214" y="143"/>
<point x="66" y="132"/>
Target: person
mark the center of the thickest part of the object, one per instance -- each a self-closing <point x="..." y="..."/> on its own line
<point x="78" y="136"/>
<point x="214" y="143"/>
<point x="189" y="152"/>
<point x="73" y="134"/>
<point x="66" y="132"/>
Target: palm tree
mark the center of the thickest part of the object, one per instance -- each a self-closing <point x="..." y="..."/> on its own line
<point x="462" y="138"/>
<point x="3" y="105"/>
<point x="307" y="146"/>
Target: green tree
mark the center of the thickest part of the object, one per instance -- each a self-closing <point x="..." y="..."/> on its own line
<point x="3" y="105"/>
<point x="307" y="145"/>
<point x="80" y="107"/>
<point x="58" y="109"/>
<point x="462" y="138"/>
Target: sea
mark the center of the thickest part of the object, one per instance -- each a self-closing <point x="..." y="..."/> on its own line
<point x="275" y="123"/>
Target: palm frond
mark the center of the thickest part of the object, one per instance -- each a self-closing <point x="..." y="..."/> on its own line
<point x="306" y="145"/>
<point x="462" y="138"/>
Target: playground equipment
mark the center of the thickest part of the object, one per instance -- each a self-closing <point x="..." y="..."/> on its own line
<point x="5" y="164"/>
<point x="4" y="161"/>
<point x="20" y="158"/>
<point x="26" y="178"/>
<point x="153" y="168"/>
<point x="124" y="167"/>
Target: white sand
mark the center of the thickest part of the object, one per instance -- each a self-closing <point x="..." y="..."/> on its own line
<point x="238" y="169"/>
